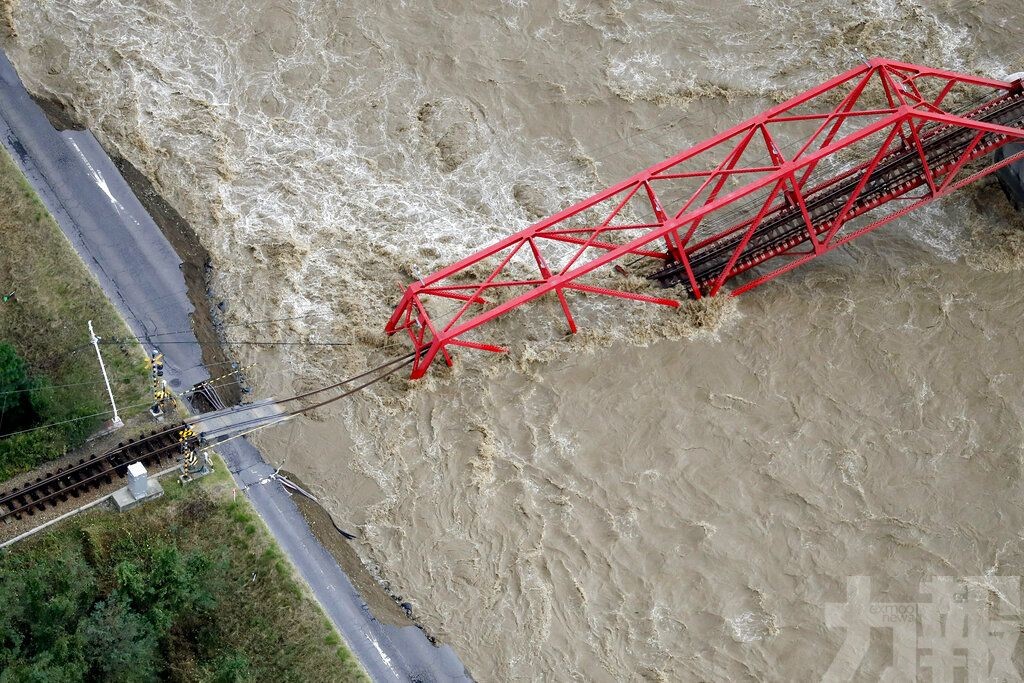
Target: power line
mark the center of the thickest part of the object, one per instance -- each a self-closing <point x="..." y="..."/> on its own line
<point x="206" y="365"/>
<point x="206" y="385"/>
<point x="61" y="386"/>
<point x="74" y="419"/>
<point x="408" y="359"/>
<point x="402" y="360"/>
<point x="125" y="340"/>
<point x="398" y="363"/>
<point x="210" y="365"/>
<point x="248" y="323"/>
<point x="149" y="337"/>
<point x="95" y="382"/>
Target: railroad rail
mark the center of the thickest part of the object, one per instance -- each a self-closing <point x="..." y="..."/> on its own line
<point x="774" y="192"/>
<point x="88" y="474"/>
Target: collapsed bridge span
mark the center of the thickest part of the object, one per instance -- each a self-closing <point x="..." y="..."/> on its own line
<point x="772" y="193"/>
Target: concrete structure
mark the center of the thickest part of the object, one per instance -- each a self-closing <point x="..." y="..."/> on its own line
<point x="138" y="481"/>
<point x="141" y="487"/>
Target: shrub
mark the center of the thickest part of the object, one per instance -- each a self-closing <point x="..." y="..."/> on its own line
<point x="16" y="409"/>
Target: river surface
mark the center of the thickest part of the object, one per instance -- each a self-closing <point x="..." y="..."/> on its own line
<point x="653" y="498"/>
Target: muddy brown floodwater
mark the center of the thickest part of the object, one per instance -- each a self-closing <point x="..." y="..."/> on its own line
<point x="650" y="499"/>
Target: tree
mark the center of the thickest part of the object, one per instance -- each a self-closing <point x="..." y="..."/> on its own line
<point x="119" y="643"/>
<point x="231" y="667"/>
<point x="16" y="409"/>
<point x="43" y="597"/>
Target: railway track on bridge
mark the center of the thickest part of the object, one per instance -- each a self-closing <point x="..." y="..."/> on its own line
<point x="898" y="174"/>
<point x="69" y="483"/>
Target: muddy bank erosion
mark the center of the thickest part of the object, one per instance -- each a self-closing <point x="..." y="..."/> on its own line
<point x="386" y="607"/>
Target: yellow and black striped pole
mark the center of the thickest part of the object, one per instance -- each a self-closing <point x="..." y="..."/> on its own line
<point x="189" y="459"/>
<point x="161" y="394"/>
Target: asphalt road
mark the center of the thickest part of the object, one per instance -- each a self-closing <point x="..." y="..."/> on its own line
<point x="139" y="271"/>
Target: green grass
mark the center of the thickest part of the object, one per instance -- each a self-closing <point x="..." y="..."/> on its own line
<point x="191" y="585"/>
<point x="46" y="323"/>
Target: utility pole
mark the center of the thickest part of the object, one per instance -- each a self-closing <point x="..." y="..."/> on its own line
<point x="116" y="423"/>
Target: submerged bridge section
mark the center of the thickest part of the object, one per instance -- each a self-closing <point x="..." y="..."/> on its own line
<point x="774" y="192"/>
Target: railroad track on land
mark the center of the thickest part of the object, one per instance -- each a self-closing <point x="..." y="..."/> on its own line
<point x="71" y="481"/>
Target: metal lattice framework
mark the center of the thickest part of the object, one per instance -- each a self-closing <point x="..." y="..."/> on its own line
<point x="786" y="186"/>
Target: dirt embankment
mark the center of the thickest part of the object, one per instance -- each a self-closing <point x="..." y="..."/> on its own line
<point x="385" y="606"/>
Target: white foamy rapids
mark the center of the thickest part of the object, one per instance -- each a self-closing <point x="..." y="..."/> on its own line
<point x="667" y="495"/>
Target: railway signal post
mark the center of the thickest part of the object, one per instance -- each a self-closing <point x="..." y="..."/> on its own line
<point x="161" y="393"/>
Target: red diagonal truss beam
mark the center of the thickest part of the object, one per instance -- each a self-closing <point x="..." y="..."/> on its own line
<point x="794" y="182"/>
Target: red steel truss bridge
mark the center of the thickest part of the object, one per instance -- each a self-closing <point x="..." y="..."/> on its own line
<point x="772" y="193"/>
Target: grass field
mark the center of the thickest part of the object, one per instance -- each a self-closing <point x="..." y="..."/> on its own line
<point x="187" y="588"/>
<point x="46" y="324"/>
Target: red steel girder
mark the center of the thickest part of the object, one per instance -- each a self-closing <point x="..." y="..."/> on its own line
<point x="883" y="129"/>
